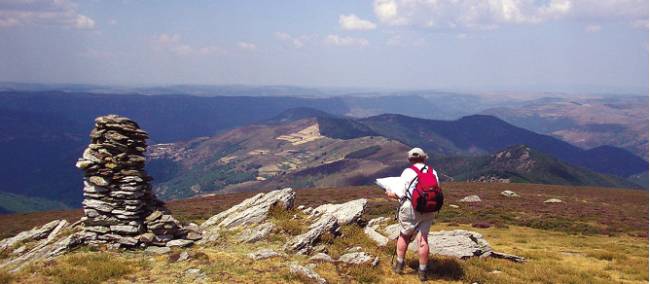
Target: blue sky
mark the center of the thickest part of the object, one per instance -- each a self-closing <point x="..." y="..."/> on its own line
<point x="510" y="45"/>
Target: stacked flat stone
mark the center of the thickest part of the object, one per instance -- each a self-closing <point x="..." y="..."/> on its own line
<point x="117" y="192"/>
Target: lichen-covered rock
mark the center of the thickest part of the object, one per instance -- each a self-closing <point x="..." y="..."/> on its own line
<point x="48" y="231"/>
<point x="470" y="199"/>
<point x="157" y="250"/>
<point x="509" y="193"/>
<point x="307" y="273"/>
<point x="358" y="258"/>
<point x="345" y="213"/>
<point x="321" y="257"/>
<point x="376" y="237"/>
<point x="303" y="243"/>
<point x="263" y="254"/>
<point x="374" y="223"/>
<point x="44" y="249"/>
<point x="253" y="210"/>
<point x="462" y="244"/>
<point x="179" y="243"/>
<point x="391" y="231"/>
<point x="257" y="233"/>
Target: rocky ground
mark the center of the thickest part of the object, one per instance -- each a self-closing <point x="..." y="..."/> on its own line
<point x="288" y="236"/>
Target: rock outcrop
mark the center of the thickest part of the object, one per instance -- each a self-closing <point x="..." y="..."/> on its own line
<point x="345" y="213"/>
<point x="376" y="237"/>
<point x="358" y="258"/>
<point x="509" y="193"/>
<point x="307" y="273"/>
<point x="462" y="244"/>
<point x="263" y="254"/>
<point x="470" y="199"/>
<point x="328" y="219"/>
<point x="49" y="240"/>
<point x="251" y="211"/>
<point x="303" y="243"/>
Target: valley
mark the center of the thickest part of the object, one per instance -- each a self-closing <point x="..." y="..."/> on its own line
<point x="210" y="144"/>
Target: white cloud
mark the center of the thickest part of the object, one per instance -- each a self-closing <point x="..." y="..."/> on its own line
<point x="490" y="14"/>
<point x="165" y="39"/>
<point x="346" y="41"/>
<point x="352" y="22"/>
<point x="84" y="22"/>
<point x="172" y="43"/>
<point x="246" y="45"/>
<point x="15" y="13"/>
<point x="294" y="41"/>
<point x="593" y="28"/>
<point x="386" y="11"/>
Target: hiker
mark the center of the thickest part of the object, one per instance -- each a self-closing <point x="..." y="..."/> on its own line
<point x="419" y="198"/>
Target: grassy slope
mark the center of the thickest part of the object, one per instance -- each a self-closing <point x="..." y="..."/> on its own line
<point x="553" y="257"/>
<point x="596" y="236"/>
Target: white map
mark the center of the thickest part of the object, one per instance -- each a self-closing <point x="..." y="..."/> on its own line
<point x="391" y="184"/>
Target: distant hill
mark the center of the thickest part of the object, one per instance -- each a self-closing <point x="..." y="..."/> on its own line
<point x="296" y="153"/>
<point x="620" y="121"/>
<point x="523" y="164"/>
<point x="167" y="118"/>
<point x="481" y="134"/>
<point x="43" y="133"/>
<point x="301" y="154"/>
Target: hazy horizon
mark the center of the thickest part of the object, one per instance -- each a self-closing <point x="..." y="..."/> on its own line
<point x="563" y="46"/>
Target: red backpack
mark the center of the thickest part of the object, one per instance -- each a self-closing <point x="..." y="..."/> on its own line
<point x="427" y="195"/>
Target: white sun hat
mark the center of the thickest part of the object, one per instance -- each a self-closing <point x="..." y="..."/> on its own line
<point x="417" y="153"/>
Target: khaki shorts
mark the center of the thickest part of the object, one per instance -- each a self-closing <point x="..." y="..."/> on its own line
<point x="411" y="221"/>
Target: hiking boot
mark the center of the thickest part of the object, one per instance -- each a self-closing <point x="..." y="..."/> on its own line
<point x="422" y="274"/>
<point x="398" y="267"/>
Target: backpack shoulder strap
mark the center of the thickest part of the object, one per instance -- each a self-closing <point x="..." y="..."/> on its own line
<point x="418" y="172"/>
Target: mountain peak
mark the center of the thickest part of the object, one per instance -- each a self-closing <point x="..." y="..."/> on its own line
<point x="519" y="157"/>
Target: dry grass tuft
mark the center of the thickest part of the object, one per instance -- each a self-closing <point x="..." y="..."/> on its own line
<point x="284" y="219"/>
<point x="351" y="236"/>
<point x="361" y="273"/>
<point x="89" y="268"/>
<point x="6" y="277"/>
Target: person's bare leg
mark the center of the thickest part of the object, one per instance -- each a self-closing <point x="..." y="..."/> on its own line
<point x="400" y="251"/>
<point x="423" y="255"/>
<point x="402" y="245"/>
<point x="423" y="249"/>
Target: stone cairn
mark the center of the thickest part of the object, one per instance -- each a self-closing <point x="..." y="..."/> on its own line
<point x="119" y="205"/>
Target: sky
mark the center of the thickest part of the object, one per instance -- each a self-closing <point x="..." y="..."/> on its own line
<point x="481" y="45"/>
